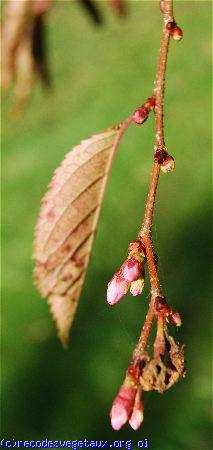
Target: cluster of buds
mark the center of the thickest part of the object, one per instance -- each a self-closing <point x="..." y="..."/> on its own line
<point x="165" y="161"/>
<point x="127" y="405"/>
<point x="146" y="374"/>
<point x="175" y="31"/>
<point x="131" y="275"/>
<point x="140" y="115"/>
<point x="158" y="373"/>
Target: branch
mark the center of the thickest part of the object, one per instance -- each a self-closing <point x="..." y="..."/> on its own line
<point x="145" y="232"/>
<point x="167" y="364"/>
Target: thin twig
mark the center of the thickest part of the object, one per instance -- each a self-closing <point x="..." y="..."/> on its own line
<point x="145" y="232"/>
<point x="160" y="370"/>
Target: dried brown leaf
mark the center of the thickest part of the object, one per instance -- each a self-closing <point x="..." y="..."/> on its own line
<point x="67" y="223"/>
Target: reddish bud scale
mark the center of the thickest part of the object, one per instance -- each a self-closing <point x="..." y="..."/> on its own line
<point x="138" y="246"/>
<point x="160" y="156"/>
<point x="175" y="319"/>
<point x="168" y="164"/>
<point x="170" y="25"/>
<point x="176" y="33"/>
<point x="132" y="376"/>
<point x="150" y="103"/>
<point x="161" y="306"/>
<point x="140" y="115"/>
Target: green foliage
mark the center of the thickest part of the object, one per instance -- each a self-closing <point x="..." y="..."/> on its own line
<point x="100" y="76"/>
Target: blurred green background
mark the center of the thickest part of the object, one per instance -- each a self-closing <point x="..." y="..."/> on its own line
<point x="100" y="75"/>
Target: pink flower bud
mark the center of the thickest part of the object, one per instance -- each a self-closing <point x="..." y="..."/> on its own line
<point x="137" y="286"/>
<point x="136" y="418"/>
<point x="117" y="288"/>
<point x="140" y="115"/>
<point x="122" y="407"/>
<point x="168" y="165"/>
<point x="132" y="270"/>
<point x="119" y="416"/>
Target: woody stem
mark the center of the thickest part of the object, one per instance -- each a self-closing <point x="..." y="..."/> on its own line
<point x="145" y="232"/>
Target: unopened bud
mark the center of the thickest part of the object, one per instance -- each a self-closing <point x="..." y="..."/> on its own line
<point x="137" y="286"/>
<point x="132" y="270"/>
<point x="140" y="115"/>
<point x="161" y="306"/>
<point x="136" y="418"/>
<point x="122" y="407"/>
<point x="119" y="416"/>
<point x="168" y="164"/>
<point x="170" y="25"/>
<point x="175" y="319"/>
<point x="117" y="288"/>
<point x="176" y="33"/>
<point x="150" y="103"/>
<point x="160" y="155"/>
